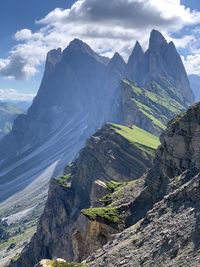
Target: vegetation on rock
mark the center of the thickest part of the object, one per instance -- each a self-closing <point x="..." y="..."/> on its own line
<point x="110" y="215"/>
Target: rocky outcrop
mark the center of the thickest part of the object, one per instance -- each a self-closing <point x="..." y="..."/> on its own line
<point x="75" y="217"/>
<point x="163" y="234"/>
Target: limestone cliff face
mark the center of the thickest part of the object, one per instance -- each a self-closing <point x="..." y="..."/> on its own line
<point x="66" y="230"/>
<point x="164" y="214"/>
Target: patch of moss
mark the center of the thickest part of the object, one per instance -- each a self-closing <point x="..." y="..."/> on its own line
<point x="114" y="185"/>
<point x="110" y="215"/>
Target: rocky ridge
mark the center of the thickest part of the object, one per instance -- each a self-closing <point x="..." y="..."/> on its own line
<point x="112" y="157"/>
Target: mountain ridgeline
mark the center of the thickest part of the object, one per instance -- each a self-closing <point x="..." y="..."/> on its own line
<point x="79" y="93"/>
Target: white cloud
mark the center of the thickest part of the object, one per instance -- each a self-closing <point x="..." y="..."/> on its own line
<point x="113" y="24"/>
<point x="23" y="35"/>
<point x="14" y="95"/>
<point x="192" y="64"/>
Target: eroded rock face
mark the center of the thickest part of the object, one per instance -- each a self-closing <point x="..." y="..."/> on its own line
<point x="63" y="232"/>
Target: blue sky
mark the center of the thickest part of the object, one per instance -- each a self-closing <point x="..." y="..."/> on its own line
<point x="20" y="14"/>
<point x="112" y="25"/>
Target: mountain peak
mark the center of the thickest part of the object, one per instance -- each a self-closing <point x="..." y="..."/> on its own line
<point x="134" y="61"/>
<point x="137" y="52"/>
<point x="79" y="45"/>
<point x="156" y="39"/>
<point x="117" y="58"/>
<point x="137" y="46"/>
<point x="117" y="63"/>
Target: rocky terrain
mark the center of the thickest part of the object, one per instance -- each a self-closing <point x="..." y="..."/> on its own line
<point x="112" y="158"/>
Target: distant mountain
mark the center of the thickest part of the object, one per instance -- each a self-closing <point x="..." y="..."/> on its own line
<point x="79" y="93"/>
<point x="195" y="85"/>
<point x="160" y="69"/>
<point x="8" y="113"/>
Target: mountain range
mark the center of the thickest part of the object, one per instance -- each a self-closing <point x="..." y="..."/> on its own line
<point x="79" y="93"/>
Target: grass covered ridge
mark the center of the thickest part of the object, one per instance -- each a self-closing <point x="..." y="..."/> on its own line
<point x="138" y="137"/>
<point x="158" y="108"/>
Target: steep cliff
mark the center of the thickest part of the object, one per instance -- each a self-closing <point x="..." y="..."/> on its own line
<point x="76" y="217"/>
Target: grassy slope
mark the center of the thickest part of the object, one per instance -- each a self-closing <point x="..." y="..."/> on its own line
<point x="153" y="105"/>
<point x="142" y="140"/>
<point x="138" y="137"/>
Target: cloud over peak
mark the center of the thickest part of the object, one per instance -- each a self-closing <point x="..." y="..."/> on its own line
<point x="113" y="24"/>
